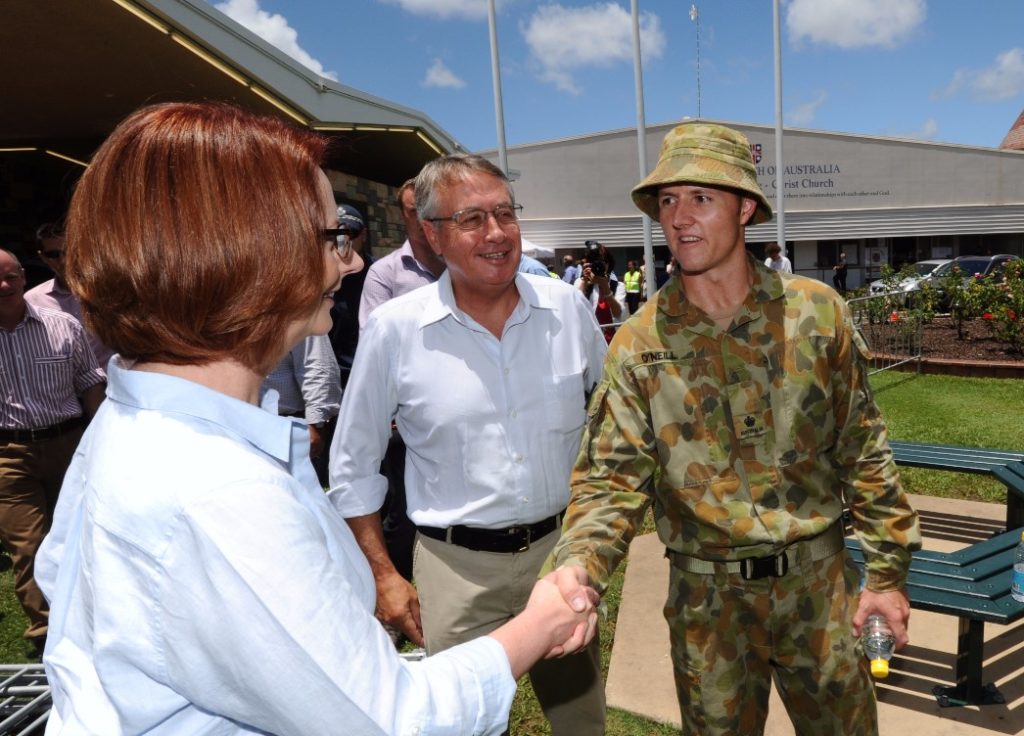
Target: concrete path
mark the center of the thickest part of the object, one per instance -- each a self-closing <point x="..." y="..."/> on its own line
<point x="640" y="673"/>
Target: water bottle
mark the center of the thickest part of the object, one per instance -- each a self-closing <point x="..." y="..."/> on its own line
<point x="879" y="644"/>
<point x="1017" y="584"/>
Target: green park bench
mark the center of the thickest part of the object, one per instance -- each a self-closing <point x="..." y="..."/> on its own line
<point x="1006" y="466"/>
<point x="973" y="583"/>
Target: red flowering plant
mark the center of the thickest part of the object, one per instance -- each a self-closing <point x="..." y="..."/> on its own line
<point x="1000" y="299"/>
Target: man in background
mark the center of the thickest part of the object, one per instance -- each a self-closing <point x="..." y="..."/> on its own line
<point x="411" y="266"/>
<point x="570" y="271"/>
<point x="344" y="334"/>
<point x="51" y="385"/>
<point x="308" y="384"/>
<point x="839" y="275"/>
<point x="54" y="294"/>
<point x="633" y="280"/>
<point x="775" y="260"/>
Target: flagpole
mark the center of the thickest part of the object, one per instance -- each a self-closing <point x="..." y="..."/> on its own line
<point x="499" y="114"/>
<point x="641" y="148"/>
<point x="695" y="17"/>
<point x="780" y="182"/>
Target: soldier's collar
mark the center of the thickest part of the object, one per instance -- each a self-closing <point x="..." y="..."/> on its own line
<point x="766" y="286"/>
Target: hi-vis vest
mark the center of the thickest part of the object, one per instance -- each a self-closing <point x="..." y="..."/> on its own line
<point x="632" y="282"/>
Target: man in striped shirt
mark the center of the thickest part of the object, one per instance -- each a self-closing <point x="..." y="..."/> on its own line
<point x="49" y="377"/>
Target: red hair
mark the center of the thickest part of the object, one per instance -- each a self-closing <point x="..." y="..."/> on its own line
<point x="194" y="235"/>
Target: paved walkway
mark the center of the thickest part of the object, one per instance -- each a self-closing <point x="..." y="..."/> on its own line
<point x="640" y="674"/>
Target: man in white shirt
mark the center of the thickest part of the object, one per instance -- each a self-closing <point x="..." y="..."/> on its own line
<point x="486" y="374"/>
<point x="775" y="260"/>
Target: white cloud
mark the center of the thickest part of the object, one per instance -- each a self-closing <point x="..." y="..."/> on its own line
<point x="960" y="78"/>
<point x="927" y="132"/>
<point x="1003" y="79"/>
<point x="439" y="75"/>
<point x="563" y="40"/>
<point x="469" y="9"/>
<point x="803" y="114"/>
<point x="851" y="24"/>
<point x="274" y="29"/>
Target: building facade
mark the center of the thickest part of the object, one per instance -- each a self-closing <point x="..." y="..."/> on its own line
<point x="879" y="200"/>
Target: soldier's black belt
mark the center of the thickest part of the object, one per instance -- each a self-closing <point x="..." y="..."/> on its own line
<point x="826" y="544"/>
<point x="43" y="433"/>
<point x="510" y="539"/>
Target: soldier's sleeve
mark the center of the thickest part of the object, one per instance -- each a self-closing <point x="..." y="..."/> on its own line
<point x="882" y="517"/>
<point x="611" y="481"/>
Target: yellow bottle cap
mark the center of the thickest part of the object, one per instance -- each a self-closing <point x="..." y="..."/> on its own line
<point x="880" y="668"/>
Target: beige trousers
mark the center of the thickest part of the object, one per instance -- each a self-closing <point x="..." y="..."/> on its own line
<point x="31" y="475"/>
<point x="465" y="594"/>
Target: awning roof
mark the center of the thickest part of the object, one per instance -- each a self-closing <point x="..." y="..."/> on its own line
<point x="73" y="70"/>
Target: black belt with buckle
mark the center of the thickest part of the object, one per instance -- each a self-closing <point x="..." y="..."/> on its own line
<point x="821" y="547"/>
<point x="510" y="539"/>
<point x="43" y="433"/>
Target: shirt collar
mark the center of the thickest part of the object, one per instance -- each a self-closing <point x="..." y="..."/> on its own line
<point x="767" y="286"/>
<point x="31" y="312"/>
<point x="56" y="288"/>
<point x="408" y="257"/>
<point x="436" y="310"/>
<point x="172" y="395"/>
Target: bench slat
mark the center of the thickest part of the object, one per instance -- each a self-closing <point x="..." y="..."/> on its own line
<point x="981" y="453"/>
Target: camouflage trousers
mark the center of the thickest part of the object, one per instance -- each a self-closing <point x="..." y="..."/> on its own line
<point x="730" y="637"/>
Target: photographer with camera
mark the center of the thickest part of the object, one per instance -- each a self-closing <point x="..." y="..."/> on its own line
<point x="602" y="287"/>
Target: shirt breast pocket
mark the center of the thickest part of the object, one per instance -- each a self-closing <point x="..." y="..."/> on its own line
<point x="53" y="372"/>
<point x="678" y="393"/>
<point x="564" y="413"/>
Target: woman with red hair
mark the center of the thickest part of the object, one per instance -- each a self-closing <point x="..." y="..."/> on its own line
<point x="199" y="580"/>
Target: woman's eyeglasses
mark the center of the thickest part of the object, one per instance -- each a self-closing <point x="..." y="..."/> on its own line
<point x="340" y="241"/>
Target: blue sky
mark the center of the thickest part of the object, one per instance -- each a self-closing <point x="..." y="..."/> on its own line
<point x="941" y="70"/>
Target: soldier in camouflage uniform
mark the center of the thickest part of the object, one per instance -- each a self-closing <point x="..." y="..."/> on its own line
<point x="737" y="402"/>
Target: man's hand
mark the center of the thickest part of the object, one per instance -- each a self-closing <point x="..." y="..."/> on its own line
<point x="398" y="604"/>
<point x="316" y="442"/>
<point x="397" y="601"/>
<point x="894" y="606"/>
<point x="574" y="586"/>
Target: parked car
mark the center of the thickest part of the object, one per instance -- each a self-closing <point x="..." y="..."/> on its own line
<point x="976" y="267"/>
<point x="983" y="265"/>
<point x="932" y="269"/>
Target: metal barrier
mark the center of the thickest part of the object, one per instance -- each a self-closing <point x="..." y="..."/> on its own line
<point x="892" y="333"/>
<point x="24" y="700"/>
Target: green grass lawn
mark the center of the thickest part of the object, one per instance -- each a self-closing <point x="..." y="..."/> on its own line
<point x="949" y="410"/>
<point x="923" y="408"/>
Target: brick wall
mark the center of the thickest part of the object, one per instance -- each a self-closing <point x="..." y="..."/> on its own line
<point x="377" y="202"/>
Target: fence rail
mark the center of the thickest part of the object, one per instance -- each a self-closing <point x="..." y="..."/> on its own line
<point x="24" y="700"/>
<point x="892" y="333"/>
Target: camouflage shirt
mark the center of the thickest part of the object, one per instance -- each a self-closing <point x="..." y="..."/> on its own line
<point x="745" y="440"/>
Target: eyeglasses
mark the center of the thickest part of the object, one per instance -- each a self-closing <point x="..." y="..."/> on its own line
<point x="53" y="255"/>
<point x="473" y="218"/>
<point x="340" y="241"/>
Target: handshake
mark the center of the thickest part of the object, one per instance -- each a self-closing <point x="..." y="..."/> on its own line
<point x="559" y="619"/>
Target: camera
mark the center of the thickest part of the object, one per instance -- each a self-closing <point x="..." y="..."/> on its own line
<point x="597" y="265"/>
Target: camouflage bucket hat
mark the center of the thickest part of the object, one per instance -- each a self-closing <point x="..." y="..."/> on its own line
<point x="703" y="153"/>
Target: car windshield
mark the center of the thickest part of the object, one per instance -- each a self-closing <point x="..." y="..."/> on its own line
<point x="971" y="266"/>
<point x="943" y="269"/>
<point x="923" y="268"/>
